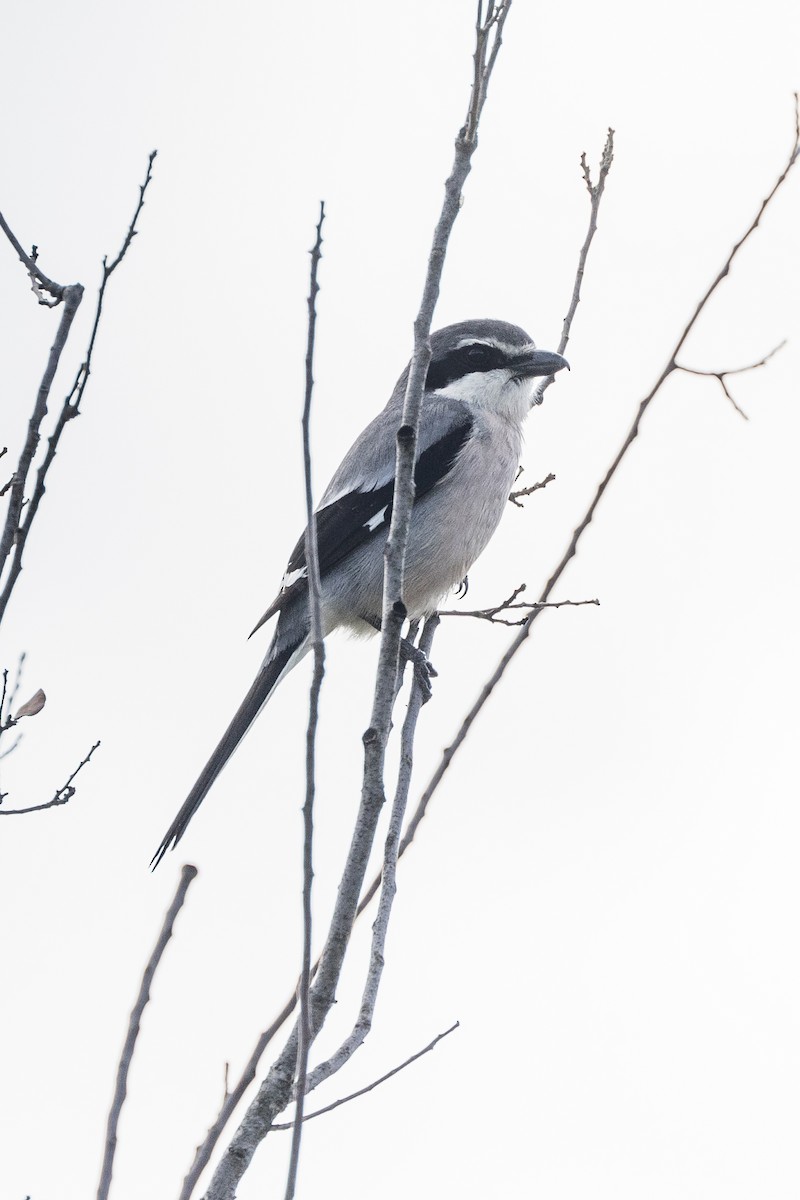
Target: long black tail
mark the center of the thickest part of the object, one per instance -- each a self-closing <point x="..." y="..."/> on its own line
<point x="260" y="691"/>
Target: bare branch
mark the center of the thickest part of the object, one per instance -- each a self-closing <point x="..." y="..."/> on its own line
<point x="493" y="615"/>
<point x="380" y="928"/>
<point x="35" y="274"/>
<point x="315" y="613"/>
<point x="517" y="496"/>
<point x="595" y="196"/>
<point x="5" y="754"/>
<point x="120" y="1091"/>
<point x="376" y="1083"/>
<point x="62" y="796"/>
<point x="12" y="535"/>
<point x="15" y="532"/>
<point x="721" y="376"/>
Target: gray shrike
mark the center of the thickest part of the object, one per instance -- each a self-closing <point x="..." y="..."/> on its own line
<point x="482" y="382"/>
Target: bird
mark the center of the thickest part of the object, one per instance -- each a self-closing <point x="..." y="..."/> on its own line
<point x="483" y="379"/>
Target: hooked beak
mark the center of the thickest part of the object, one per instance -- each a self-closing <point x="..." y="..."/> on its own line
<point x="539" y="362"/>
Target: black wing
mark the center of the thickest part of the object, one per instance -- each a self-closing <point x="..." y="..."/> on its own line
<point x="356" y="517"/>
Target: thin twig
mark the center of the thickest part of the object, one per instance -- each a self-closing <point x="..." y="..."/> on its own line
<point x="376" y="1083"/>
<point x="62" y="796"/>
<point x="16" y="532"/>
<point x="595" y="196"/>
<point x="12" y="535"/>
<point x="493" y="614"/>
<point x="35" y="274"/>
<point x="120" y="1091"/>
<point x="721" y="376"/>
<point x="318" y="647"/>
<point x="515" y="497"/>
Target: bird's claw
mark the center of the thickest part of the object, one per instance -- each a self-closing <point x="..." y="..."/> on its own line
<point x="424" y="670"/>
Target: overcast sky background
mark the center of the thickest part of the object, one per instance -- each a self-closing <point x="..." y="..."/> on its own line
<point x="605" y="892"/>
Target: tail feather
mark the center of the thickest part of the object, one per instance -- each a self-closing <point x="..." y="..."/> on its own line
<point x="275" y="666"/>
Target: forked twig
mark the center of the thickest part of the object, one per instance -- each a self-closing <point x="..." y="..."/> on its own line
<point x="375" y="1083"/>
<point x="15" y="530"/>
<point x="494" y="615"/>
<point x="721" y="376"/>
<point x="62" y="796"/>
<point x="521" y="493"/>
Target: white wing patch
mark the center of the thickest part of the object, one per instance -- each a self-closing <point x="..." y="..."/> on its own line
<point x="373" y="523"/>
<point x="292" y="577"/>
<point x="366" y="485"/>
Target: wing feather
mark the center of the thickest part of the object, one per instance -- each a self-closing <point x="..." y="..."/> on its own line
<point x="357" y="516"/>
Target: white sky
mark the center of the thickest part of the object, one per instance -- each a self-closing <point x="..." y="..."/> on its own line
<point x="606" y="892"/>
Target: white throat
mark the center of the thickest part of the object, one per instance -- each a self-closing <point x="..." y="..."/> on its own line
<point x="497" y="391"/>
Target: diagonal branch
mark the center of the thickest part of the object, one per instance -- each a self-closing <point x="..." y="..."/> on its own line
<point x="375" y="1083"/>
<point x="120" y="1091"/>
<point x="12" y="535"/>
<point x="595" y="196"/>
<point x="62" y="796"/>
<point x="35" y="273"/>
<point x="518" y="496"/>
<point x="493" y="615"/>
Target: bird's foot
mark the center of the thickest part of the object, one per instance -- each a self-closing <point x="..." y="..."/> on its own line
<point x="423" y="668"/>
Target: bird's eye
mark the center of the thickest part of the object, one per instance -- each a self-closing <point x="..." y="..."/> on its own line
<point x="478" y="355"/>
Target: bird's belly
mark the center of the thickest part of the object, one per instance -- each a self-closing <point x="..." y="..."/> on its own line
<point x="443" y="544"/>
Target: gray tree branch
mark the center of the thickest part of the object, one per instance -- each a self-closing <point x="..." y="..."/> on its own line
<point x="121" y="1089"/>
<point x="318" y="649"/>
<point x="319" y="1112"/>
<point x="15" y="530"/>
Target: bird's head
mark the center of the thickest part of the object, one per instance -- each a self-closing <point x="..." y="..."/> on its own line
<point x="491" y="364"/>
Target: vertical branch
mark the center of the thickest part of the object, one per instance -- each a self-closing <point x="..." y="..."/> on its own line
<point x="120" y="1091"/>
<point x="318" y="648"/>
